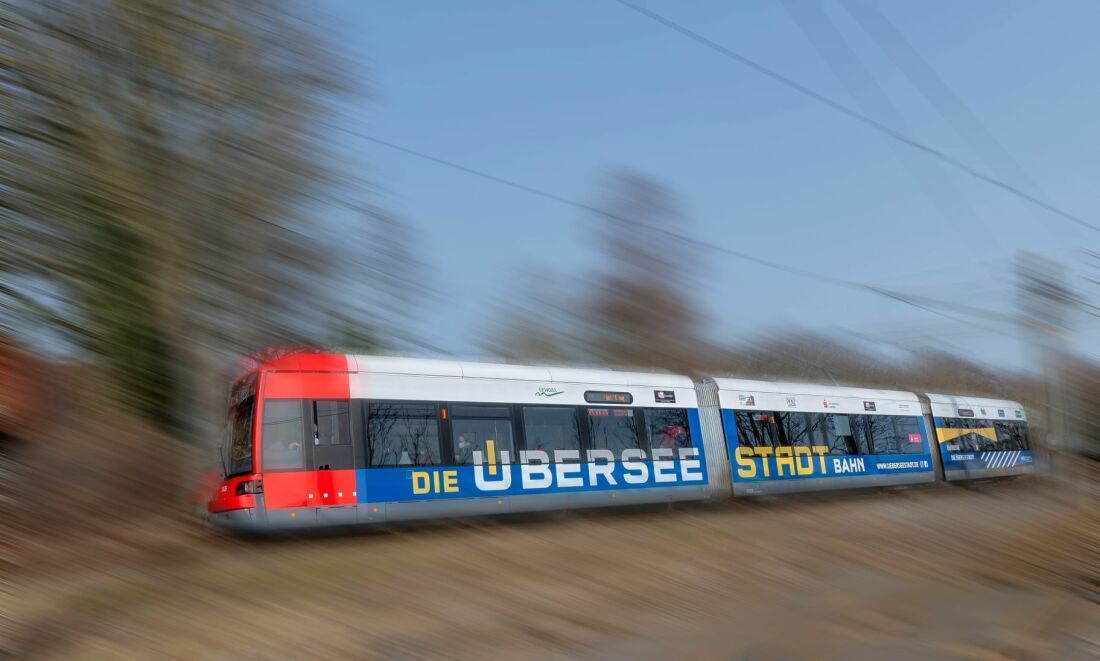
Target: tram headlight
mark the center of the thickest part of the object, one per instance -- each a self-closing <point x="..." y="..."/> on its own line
<point x="247" y="487"/>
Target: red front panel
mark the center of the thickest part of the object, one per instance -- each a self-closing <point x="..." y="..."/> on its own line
<point x="330" y="381"/>
<point x="309" y="488"/>
<point x="307" y="385"/>
<point x="309" y="362"/>
<point x="226" y="498"/>
<point x="295" y="376"/>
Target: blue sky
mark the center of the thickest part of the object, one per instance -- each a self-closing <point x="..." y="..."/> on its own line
<point x="559" y="94"/>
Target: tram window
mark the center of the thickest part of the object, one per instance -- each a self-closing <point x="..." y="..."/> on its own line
<point x="908" y="436"/>
<point x="667" y="428"/>
<point x="860" y="433"/>
<point x="910" y="439"/>
<point x="787" y="426"/>
<point x="968" y="441"/>
<point x="550" y="428"/>
<point x="754" y="429"/>
<point x="873" y="433"/>
<point x="331" y="422"/>
<point x="965" y="442"/>
<point x="841" y="438"/>
<point x="332" y="435"/>
<point x="1008" y="438"/>
<point x="887" y="439"/>
<point x="240" y="437"/>
<point x="817" y="426"/>
<point x="402" y="434"/>
<point x="1021" y="428"/>
<point x="1011" y="436"/>
<point x="885" y="434"/>
<point x="471" y="435"/>
<point x="613" y="429"/>
<point x="983" y="437"/>
<point x="283" y="445"/>
<point x="802" y="429"/>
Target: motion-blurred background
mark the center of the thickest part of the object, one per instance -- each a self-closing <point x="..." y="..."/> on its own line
<point x="886" y="194"/>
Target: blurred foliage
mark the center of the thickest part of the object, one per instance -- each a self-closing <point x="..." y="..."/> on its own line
<point x="632" y="310"/>
<point x="161" y="171"/>
<point x="641" y="311"/>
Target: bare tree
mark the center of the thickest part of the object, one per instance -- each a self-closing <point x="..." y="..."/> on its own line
<point x="641" y="312"/>
<point x="634" y="308"/>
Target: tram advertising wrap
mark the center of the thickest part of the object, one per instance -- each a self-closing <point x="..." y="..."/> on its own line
<point x="496" y="472"/>
<point x="981" y="437"/>
<point x="782" y="438"/>
<point x="333" y="440"/>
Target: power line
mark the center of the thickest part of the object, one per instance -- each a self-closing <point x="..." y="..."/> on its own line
<point x="873" y="21"/>
<point x="856" y="115"/>
<point x="921" y="302"/>
<point x="873" y="101"/>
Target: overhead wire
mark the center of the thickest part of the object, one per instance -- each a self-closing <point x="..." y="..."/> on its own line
<point x="890" y="40"/>
<point x="870" y="98"/>
<point x="921" y="302"/>
<point x="856" y="115"/>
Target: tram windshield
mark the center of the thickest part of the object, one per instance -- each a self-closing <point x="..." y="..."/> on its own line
<point x="238" y="450"/>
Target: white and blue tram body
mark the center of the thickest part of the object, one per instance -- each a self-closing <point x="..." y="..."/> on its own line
<point x="980" y="438"/>
<point x="363" y="439"/>
<point x="785" y="437"/>
<point x="318" y="439"/>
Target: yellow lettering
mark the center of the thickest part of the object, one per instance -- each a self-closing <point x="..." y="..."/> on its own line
<point x="801" y="453"/>
<point x="421" y="482"/>
<point x="784" y="456"/>
<point x="450" y="481"/>
<point x="821" y="451"/>
<point x="765" y="452"/>
<point x="746" y="466"/>
<point x="435" y="482"/>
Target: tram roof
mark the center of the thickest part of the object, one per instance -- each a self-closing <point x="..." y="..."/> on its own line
<point x="475" y="370"/>
<point x="814" y="389"/>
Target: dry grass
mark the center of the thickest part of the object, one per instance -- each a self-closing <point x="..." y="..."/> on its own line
<point x="995" y="572"/>
<point x="105" y="561"/>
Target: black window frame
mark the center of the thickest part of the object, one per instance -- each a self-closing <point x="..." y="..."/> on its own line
<point x="318" y="450"/>
<point x="831" y="437"/>
<point x="1025" y="433"/>
<point x="249" y="438"/>
<point x="1013" y="429"/>
<point x="901" y="435"/>
<point x="637" y="415"/>
<point x="768" y="424"/>
<point x="962" y="442"/>
<point x="809" y="427"/>
<point x="304" y="424"/>
<point x="645" y="430"/>
<point x="442" y="431"/>
<point x="984" y="444"/>
<point x="509" y="411"/>
<point x="519" y="432"/>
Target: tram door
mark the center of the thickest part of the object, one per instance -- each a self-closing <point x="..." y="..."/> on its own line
<point x="332" y="457"/>
<point x="331" y="435"/>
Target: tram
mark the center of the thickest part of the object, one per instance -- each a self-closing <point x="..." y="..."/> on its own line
<point x="320" y="440"/>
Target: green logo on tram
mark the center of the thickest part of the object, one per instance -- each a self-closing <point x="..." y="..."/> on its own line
<point x="548" y="392"/>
